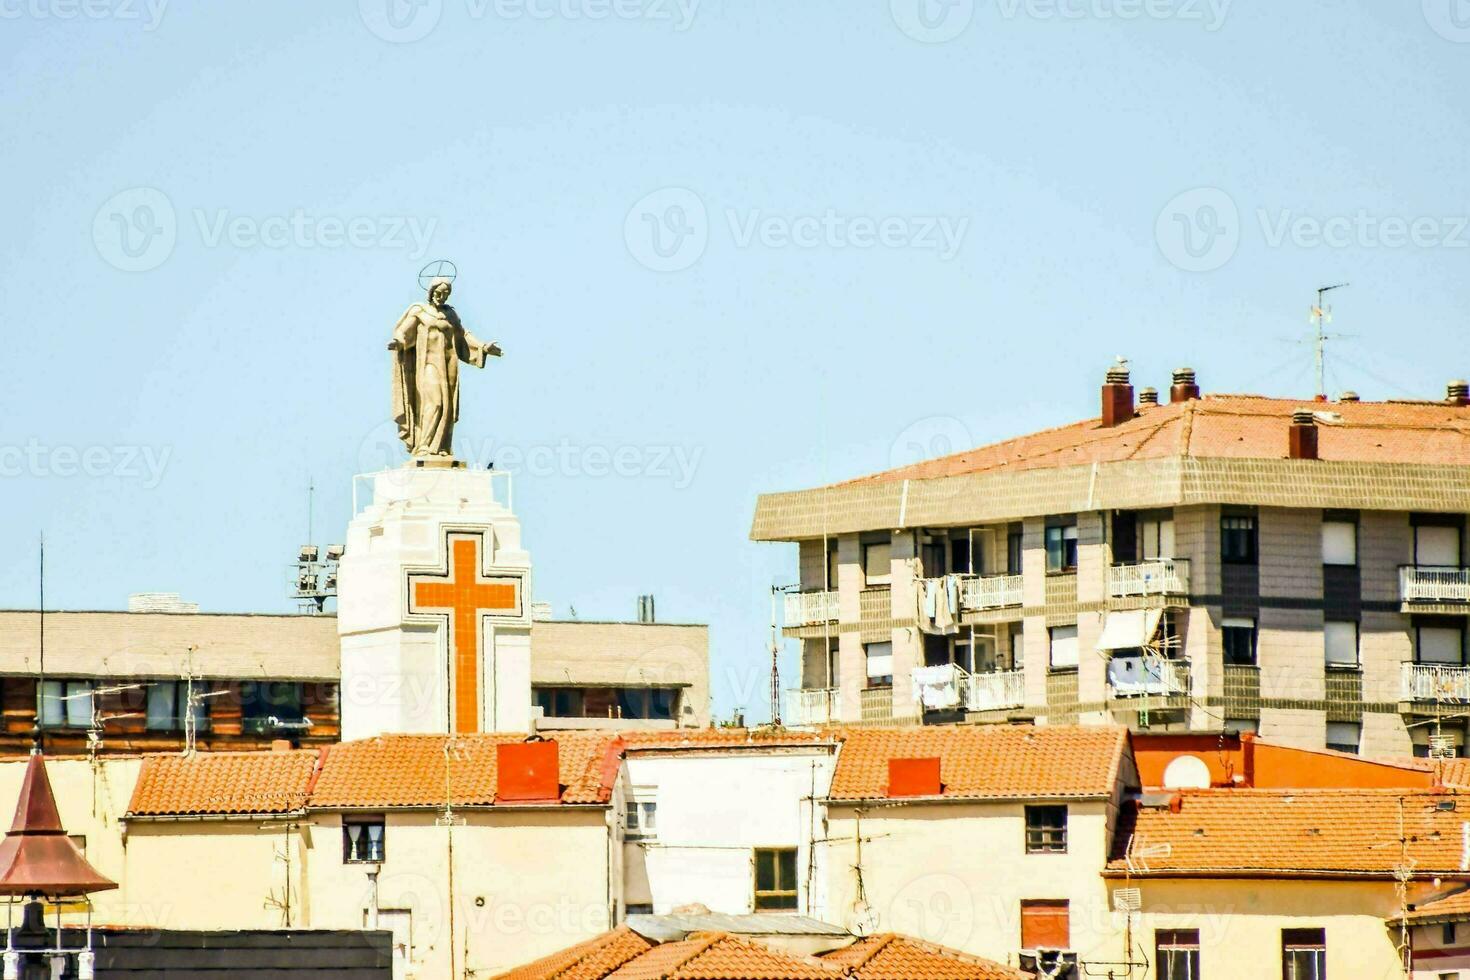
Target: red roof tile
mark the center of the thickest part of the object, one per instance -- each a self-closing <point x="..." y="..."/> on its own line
<point x="889" y="956"/>
<point x="1319" y="832"/>
<point x="411" y="770"/>
<point x="720" y="956"/>
<point x="592" y="960"/>
<point x="1236" y="426"/>
<point x="986" y="761"/>
<point x="224" y="783"/>
<point x="1454" y="907"/>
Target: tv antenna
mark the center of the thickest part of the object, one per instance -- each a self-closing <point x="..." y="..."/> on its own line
<point x="1321" y="316"/>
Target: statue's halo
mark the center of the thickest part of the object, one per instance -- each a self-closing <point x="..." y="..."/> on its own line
<point x="436" y="271"/>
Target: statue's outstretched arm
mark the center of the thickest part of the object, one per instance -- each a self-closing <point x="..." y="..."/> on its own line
<point x="406" y="331"/>
<point x="480" y="349"/>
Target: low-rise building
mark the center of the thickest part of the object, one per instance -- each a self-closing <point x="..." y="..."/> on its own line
<point x="1292" y="567"/>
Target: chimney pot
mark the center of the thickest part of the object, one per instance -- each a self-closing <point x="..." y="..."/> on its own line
<point x="1302" y="436"/>
<point x="1148" y="396"/>
<point x="1117" y="397"/>
<point x="1458" y="392"/>
<point x="1184" y="388"/>
<point x="1349" y="396"/>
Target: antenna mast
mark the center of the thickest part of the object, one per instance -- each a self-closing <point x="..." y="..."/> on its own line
<point x="1321" y="316"/>
<point x="775" y="667"/>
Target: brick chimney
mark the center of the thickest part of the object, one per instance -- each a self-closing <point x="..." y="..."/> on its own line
<point x="1302" y="437"/>
<point x="1458" y="393"/>
<point x="1184" y="387"/>
<point x="1117" y="397"/>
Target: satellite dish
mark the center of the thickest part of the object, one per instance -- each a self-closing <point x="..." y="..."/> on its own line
<point x="1187" y="772"/>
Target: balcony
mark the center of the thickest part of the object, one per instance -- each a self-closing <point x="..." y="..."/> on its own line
<point x="1147" y="677"/>
<point x="1156" y="577"/>
<point x="949" y="686"/>
<point x="810" y="608"/>
<point x="1434" y="584"/>
<point x="990" y="592"/>
<point x="811" y="706"/>
<point x="1436" y="682"/>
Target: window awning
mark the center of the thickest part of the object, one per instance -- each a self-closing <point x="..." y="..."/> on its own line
<point x="1130" y="629"/>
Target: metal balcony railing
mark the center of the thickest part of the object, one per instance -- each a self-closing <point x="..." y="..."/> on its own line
<point x="1434" y="583"/>
<point x="1157" y="576"/>
<point x="811" y="706"/>
<point x="990" y="591"/>
<point x="950" y="686"/>
<point x="1140" y="676"/>
<point x="1436" y="682"/>
<point x="810" y="608"/>
<point x="1001" y="689"/>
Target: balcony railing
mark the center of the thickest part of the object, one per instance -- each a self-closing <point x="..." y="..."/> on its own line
<point x="1434" y="583"/>
<point x="810" y="608"/>
<point x="1001" y="689"/>
<point x="949" y="686"/>
<point x="811" y="706"/>
<point x="1158" y="576"/>
<point x="990" y="591"/>
<point x="1436" y="682"/>
<point x="1140" y="676"/>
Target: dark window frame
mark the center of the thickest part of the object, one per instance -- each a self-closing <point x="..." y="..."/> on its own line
<point x="362" y="853"/>
<point x="775" y="898"/>
<point x="1232" y="657"/>
<point x="1061" y="548"/>
<point x="1173" y="945"/>
<point x="64" y="700"/>
<point x="1046" y="828"/>
<point x="1240" y="539"/>
<point x="1297" y="944"/>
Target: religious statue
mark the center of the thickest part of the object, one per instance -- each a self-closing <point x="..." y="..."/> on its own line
<point x="427" y="345"/>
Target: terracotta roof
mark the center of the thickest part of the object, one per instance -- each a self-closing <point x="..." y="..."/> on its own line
<point x="889" y="956"/>
<point x="1318" y="832"/>
<point x="409" y="770"/>
<point x="1233" y="426"/>
<point x="592" y="960"/>
<point x="624" y="955"/>
<point x="1454" y="907"/>
<point x="224" y="783"/>
<point x="986" y="761"/>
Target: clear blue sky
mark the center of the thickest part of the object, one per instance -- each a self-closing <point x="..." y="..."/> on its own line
<point x="711" y="234"/>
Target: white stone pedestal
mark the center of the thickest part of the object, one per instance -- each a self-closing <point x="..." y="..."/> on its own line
<point x="434" y="607"/>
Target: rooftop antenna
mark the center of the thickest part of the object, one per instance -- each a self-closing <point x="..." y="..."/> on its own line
<point x="1321" y="316"/>
<point x="775" y="664"/>
<point x="41" y="684"/>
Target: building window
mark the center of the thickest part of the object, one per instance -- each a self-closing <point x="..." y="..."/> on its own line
<point x="1239" y="725"/>
<point x="1340" y="641"/>
<point x="652" y="703"/>
<point x="878" y="562"/>
<point x="640" y="819"/>
<point x="362" y="840"/>
<point x="1238" y="538"/>
<point x="647" y="703"/>
<point x="1439" y="645"/>
<point x="1061" y="547"/>
<point x="1014" y="537"/>
<point x="269" y="706"/>
<point x="1155" y="538"/>
<point x="1447" y="934"/>
<point x="1046" y="830"/>
<point x="1303" y="954"/>
<point x="1344" y="736"/>
<point x="1436" y="546"/>
<point x="880" y="663"/>
<point x="66" y="704"/>
<point x="834" y="663"/>
<point x="1339" y="543"/>
<point x="931" y="558"/>
<point x="1178" y="953"/>
<point x="1018" y="648"/>
<point x="1063" y="640"/>
<point x="168" y="703"/>
<point x="639" y="908"/>
<point x="1239" y="639"/>
<point x="775" y="879"/>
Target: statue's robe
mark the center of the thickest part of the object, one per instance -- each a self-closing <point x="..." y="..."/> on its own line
<point x="426" y="378"/>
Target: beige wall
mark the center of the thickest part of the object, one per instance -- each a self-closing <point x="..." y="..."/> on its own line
<point x="955" y="873"/>
<point x="626" y="655"/>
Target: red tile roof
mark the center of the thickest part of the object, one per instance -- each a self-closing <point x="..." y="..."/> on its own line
<point x="1237" y="426"/>
<point x="221" y="783"/>
<point x="1454" y="907"/>
<point x="624" y="955"/>
<point x="1318" y="832"/>
<point x="699" y="738"/>
<point x="411" y="770"/>
<point x="890" y="956"/>
<point x="986" y="761"/>
<point x="592" y="960"/>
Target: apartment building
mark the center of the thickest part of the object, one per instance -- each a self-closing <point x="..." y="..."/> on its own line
<point x="1213" y="562"/>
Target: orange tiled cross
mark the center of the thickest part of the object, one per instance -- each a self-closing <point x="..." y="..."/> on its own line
<point x="466" y="596"/>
